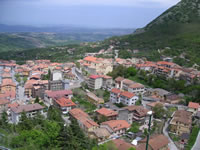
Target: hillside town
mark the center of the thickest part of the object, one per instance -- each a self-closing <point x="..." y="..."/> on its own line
<point x="122" y="110"/>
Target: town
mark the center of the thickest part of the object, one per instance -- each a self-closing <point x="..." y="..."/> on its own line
<point x="109" y="104"/>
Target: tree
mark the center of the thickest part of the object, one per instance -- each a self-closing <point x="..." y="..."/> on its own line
<point x="134" y="128"/>
<point x="54" y="114"/>
<point x="25" y="122"/>
<point x="159" y="111"/>
<point x="4" y="119"/>
<point x="37" y="100"/>
<point x="131" y="72"/>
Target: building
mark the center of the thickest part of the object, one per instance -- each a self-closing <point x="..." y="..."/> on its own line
<point x="134" y="113"/>
<point x="94" y="99"/>
<point x="7" y="85"/>
<point x="124" y="97"/>
<point x="56" y="85"/>
<point x="95" y="82"/>
<point x="158" y="93"/>
<point x="137" y="89"/>
<point x="128" y="98"/>
<point x="126" y="83"/>
<point x="50" y="96"/>
<point x="31" y="110"/>
<point x="84" y="120"/>
<point x="107" y="82"/>
<point x="122" y="145"/>
<point x="156" y="142"/>
<point x="56" y="75"/>
<point x="101" y="134"/>
<point x="193" y="107"/>
<point x="108" y="114"/>
<point x="64" y="104"/>
<point x="118" y="82"/>
<point x="181" y="122"/>
<point x="172" y="98"/>
<point x="116" y="127"/>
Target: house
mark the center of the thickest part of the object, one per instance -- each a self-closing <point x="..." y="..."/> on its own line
<point x="84" y="120"/>
<point x="133" y="113"/>
<point x="122" y="145"/>
<point x="172" y="98"/>
<point x="31" y="110"/>
<point x="101" y="134"/>
<point x="126" y="83"/>
<point x="116" y="127"/>
<point x="118" y="82"/>
<point x="64" y="104"/>
<point x="128" y="98"/>
<point x="124" y="97"/>
<point x="49" y="96"/>
<point x="7" y="85"/>
<point x="137" y="89"/>
<point x="95" y="82"/>
<point x="107" y="82"/>
<point x="193" y="107"/>
<point x="150" y="106"/>
<point x="108" y="114"/>
<point x="156" y="142"/>
<point x="94" y="99"/>
<point x="181" y="122"/>
<point x="114" y="95"/>
<point x="159" y="93"/>
<point x="56" y="85"/>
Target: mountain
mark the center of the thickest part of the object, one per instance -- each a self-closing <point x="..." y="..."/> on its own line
<point x="15" y="38"/>
<point x="175" y="33"/>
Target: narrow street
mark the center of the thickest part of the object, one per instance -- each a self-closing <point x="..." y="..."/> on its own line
<point x="171" y="145"/>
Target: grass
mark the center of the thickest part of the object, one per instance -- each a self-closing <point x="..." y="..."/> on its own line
<point x="174" y="137"/>
<point x="193" y="137"/>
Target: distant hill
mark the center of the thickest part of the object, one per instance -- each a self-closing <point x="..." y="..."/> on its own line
<point x="15" y="38"/>
<point x="175" y="33"/>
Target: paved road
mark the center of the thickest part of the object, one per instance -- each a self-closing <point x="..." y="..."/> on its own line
<point x="197" y="143"/>
<point x="171" y="145"/>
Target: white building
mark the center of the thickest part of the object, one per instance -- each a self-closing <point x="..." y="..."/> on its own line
<point x="95" y="82"/>
<point x="124" y="97"/>
<point x="31" y="110"/>
<point x="137" y="89"/>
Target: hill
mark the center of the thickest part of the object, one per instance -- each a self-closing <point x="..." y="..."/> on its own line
<point x="174" y="33"/>
<point x="15" y="38"/>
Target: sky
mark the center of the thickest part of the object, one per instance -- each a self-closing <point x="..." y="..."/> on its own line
<point x="87" y="13"/>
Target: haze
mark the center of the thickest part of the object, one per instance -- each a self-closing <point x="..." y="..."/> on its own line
<point x="88" y="13"/>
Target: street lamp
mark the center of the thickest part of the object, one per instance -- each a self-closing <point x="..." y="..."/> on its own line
<point x="149" y="129"/>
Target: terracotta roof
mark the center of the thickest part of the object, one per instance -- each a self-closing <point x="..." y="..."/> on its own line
<point x="141" y="110"/>
<point x="157" y="144"/>
<point x="6" y="82"/>
<point x="4" y="101"/>
<point x="119" y="79"/>
<point x="107" y="112"/>
<point x="101" y="132"/>
<point x="182" y="116"/>
<point x="58" y="94"/>
<point x="193" y="105"/>
<point x="127" y="94"/>
<point x="128" y="82"/>
<point x="64" y="102"/>
<point x="94" y="76"/>
<point x="83" y="117"/>
<point x="116" y="91"/>
<point x="106" y="77"/>
<point x="116" y="125"/>
<point x="165" y="63"/>
<point x="136" y="85"/>
<point x="27" y="108"/>
<point x="153" y="104"/>
<point x="121" y="144"/>
<point x="13" y="105"/>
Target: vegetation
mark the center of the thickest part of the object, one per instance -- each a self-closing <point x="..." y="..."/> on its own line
<point x="134" y="127"/>
<point x="40" y="133"/>
<point x="159" y="111"/>
<point x="193" y="136"/>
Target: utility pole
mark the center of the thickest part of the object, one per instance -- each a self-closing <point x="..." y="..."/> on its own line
<point x="149" y="129"/>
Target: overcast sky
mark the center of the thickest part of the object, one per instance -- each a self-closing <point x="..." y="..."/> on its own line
<point x="89" y="13"/>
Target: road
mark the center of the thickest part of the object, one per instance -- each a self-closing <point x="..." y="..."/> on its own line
<point x="171" y="144"/>
<point x="196" y="146"/>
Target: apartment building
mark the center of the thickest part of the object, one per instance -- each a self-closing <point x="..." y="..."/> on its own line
<point x="31" y="110"/>
<point x="95" y="82"/>
<point x="137" y="89"/>
<point x="108" y="114"/>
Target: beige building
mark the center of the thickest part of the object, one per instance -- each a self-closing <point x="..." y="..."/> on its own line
<point x="181" y="122"/>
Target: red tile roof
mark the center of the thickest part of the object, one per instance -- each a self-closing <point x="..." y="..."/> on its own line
<point x="13" y="105"/>
<point x="94" y="76"/>
<point x="27" y="108"/>
<point x="64" y="102"/>
<point x="4" y="101"/>
<point x="116" y="91"/>
<point x="6" y="82"/>
<point x="122" y="145"/>
<point x="193" y="105"/>
<point x="127" y="94"/>
<point x="116" y="125"/>
<point x="136" y="85"/>
<point x="107" y="112"/>
<point x="58" y="94"/>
